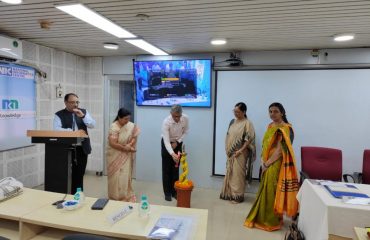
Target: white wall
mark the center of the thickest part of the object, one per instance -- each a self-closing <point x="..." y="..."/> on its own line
<point x="200" y="140"/>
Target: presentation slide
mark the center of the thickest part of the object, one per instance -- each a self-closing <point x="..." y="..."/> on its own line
<point x="18" y="105"/>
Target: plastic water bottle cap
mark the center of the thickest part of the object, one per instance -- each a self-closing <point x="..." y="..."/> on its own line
<point x="144" y="197"/>
<point x="79" y="189"/>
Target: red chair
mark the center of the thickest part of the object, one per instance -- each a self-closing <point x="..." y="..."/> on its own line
<point x="363" y="177"/>
<point x="321" y="163"/>
<point x="366" y="167"/>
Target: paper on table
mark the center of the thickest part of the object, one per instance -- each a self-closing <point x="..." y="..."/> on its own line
<point x="173" y="227"/>
<point x="344" y="189"/>
<point x="331" y="183"/>
<point x="356" y="200"/>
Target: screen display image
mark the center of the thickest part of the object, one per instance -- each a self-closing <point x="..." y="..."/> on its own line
<point x="18" y="105"/>
<point x="168" y="82"/>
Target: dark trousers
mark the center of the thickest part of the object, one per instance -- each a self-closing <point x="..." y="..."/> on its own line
<point x="170" y="173"/>
<point x="78" y="169"/>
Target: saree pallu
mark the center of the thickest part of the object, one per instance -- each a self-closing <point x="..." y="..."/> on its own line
<point x="120" y="163"/>
<point x="237" y="168"/>
<point x="279" y="185"/>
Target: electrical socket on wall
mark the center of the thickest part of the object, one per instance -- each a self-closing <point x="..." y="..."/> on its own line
<point x="59" y="91"/>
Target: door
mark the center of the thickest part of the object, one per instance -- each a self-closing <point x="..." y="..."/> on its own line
<point x="119" y="92"/>
<point x="127" y="98"/>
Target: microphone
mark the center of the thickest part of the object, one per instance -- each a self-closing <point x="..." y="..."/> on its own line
<point x="59" y="202"/>
<point x="73" y="121"/>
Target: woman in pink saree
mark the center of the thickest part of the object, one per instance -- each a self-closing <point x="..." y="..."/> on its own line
<point x="120" y="156"/>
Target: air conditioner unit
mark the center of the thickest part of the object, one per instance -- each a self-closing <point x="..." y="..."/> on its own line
<point x="10" y="49"/>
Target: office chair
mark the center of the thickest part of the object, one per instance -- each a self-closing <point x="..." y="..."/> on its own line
<point x="321" y="163"/>
<point x="363" y="177"/>
<point x="366" y="167"/>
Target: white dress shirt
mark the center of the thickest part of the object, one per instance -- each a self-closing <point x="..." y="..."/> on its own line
<point x="88" y="120"/>
<point x="174" y="131"/>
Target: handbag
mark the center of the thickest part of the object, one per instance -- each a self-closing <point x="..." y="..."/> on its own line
<point x="294" y="233"/>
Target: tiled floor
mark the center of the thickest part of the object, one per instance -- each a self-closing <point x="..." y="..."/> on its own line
<point x="225" y="220"/>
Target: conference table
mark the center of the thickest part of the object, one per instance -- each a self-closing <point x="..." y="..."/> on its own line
<point x="31" y="216"/>
<point x="322" y="216"/>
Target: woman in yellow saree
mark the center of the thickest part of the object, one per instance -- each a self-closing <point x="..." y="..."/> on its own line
<point x="279" y="184"/>
<point x="120" y="156"/>
<point x="241" y="152"/>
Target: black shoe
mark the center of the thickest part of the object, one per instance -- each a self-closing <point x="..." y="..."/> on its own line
<point x="168" y="198"/>
<point x="174" y="195"/>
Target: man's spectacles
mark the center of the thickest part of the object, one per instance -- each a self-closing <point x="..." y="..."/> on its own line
<point x="74" y="102"/>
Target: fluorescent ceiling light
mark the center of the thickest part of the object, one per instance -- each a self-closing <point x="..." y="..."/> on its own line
<point x="146" y="46"/>
<point x="343" y="37"/>
<point x="218" y="41"/>
<point x="112" y="46"/>
<point x="85" y="14"/>
<point x="12" y="1"/>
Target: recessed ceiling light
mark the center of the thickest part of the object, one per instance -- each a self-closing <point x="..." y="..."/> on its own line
<point x="140" y="43"/>
<point x="12" y="1"/>
<point x="87" y="15"/>
<point x="112" y="46"/>
<point x="218" y="41"/>
<point x="343" y="37"/>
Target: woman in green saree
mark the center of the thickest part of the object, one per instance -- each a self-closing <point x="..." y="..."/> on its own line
<point x="241" y="152"/>
<point x="279" y="184"/>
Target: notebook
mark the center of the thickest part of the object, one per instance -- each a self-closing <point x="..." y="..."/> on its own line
<point x="348" y="190"/>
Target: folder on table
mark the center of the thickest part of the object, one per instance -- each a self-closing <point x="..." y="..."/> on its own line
<point x="346" y="190"/>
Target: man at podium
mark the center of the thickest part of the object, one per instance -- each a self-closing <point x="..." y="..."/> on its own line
<point x="73" y="118"/>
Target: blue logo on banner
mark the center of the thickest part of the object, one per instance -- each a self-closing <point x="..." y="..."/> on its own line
<point x="10" y="104"/>
<point x="7" y="71"/>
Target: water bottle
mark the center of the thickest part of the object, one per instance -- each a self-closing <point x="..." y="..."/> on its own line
<point x="144" y="207"/>
<point x="79" y="196"/>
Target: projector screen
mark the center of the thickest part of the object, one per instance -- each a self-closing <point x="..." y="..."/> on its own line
<point x="18" y="105"/>
<point x="327" y="108"/>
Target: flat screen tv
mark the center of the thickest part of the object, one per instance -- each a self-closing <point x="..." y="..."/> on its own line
<point x="169" y="82"/>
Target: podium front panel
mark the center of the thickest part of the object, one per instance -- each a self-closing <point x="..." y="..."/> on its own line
<point x="58" y="169"/>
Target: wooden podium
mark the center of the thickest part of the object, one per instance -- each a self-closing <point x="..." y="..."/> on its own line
<point x="59" y="154"/>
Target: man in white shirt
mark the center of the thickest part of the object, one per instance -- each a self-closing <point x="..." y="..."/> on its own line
<point x="174" y="129"/>
<point x="73" y="118"/>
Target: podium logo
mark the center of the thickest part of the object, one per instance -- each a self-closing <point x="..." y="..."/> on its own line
<point x="10" y="104"/>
